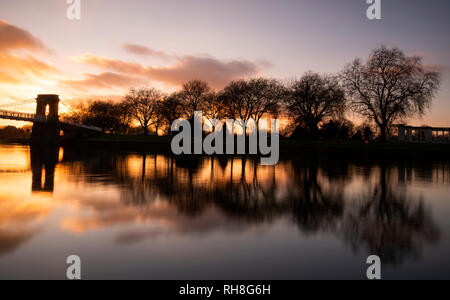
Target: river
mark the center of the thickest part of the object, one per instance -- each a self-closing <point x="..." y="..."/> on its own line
<point x="131" y="215"/>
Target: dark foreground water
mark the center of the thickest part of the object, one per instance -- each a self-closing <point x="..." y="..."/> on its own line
<point x="136" y="216"/>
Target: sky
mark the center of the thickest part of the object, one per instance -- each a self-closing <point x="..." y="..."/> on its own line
<point x="120" y="44"/>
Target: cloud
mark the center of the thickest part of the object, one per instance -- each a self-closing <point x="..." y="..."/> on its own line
<point x="217" y="73"/>
<point x="437" y="68"/>
<point x="111" y="64"/>
<point x="5" y="78"/>
<point x="145" y="51"/>
<point x="105" y="80"/>
<point x="27" y="64"/>
<point x="19" y="68"/>
<point x="15" y="38"/>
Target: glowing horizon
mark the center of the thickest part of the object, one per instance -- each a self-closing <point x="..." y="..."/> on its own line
<point x="163" y="43"/>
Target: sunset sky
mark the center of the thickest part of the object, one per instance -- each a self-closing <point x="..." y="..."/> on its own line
<point x="120" y="44"/>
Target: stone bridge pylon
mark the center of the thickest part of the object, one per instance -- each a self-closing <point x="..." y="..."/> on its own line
<point x="48" y="132"/>
<point x="47" y="127"/>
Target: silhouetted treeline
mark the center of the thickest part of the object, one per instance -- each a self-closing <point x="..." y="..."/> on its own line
<point x="12" y="133"/>
<point x="388" y="88"/>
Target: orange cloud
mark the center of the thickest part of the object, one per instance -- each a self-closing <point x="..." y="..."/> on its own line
<point x="105" y="80"/>
<point x="106" y="63"/>
<point x="24" y="70"/>
<point x="18" y="68"/>
<point x="5" y="78"/>
<point x="144" y="51"/>
<point x="22" y="65"/>
<point x="216" y="72"/>
<point x="15" y="38"/>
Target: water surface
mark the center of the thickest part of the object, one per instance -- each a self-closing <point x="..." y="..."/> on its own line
<point x="146" y="216"/>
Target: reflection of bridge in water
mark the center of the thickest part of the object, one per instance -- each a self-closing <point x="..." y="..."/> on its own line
<point x="47" y="127"/>
<point x="44" y="158"/>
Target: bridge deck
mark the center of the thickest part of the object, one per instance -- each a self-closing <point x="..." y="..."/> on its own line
<point x="20" y="116"/>
<point x="93" y="128"/>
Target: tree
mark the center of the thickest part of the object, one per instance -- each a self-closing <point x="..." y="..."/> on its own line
<point x="252" y="99"/>
<point x="235" y="101"/>
<point x="341" y="129"/>
<point x="11" y="132"/>
<point x="192" y="97"/>
<point x="124" y="116"/>
<point x="367" y="133"/>
<point x="313" y="99"/>
<point x="389" y="87"/>
<point x="213" y="110"/>
<point x="101" y="114"/>
<point x="170" y="109"/>
<point x="104" y="114"/>
<point x="266" y="96"/>
<point x="144" y="104"/>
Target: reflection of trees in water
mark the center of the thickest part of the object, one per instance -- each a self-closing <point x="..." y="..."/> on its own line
<point x="10" y="240"/>
<point x="388" y="224"/>
<point x="315" y="207"/>
<point x="383" y="221"/>
<point x="254" y="200"/>
<point x="235" y="196"/>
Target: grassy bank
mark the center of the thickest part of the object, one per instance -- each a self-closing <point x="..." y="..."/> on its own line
<point x="288" y="147"/>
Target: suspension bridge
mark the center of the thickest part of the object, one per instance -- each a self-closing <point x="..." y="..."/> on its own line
<point x="47" y="128"/>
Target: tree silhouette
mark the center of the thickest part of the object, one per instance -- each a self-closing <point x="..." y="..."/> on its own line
<point x="144" y="104"/>
<point x="170" y="109"/>
<point x="252" y="99"/>
<point x="388" y="224"/>
<point x="192" y="97"/>
<point x="213" y="110"/>
<point x="390" y="86"/>
<point x="314" y="98"/>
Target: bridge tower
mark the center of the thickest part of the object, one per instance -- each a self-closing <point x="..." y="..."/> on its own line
<point x="46" y="133"/>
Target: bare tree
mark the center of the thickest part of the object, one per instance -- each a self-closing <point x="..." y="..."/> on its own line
<point x="144" y="104"/>
<point x="170" y="109"/>
<point x="236" y="102"/>
<point x="252" y="99"/>
<point x="107" y="115"/>
<point x="389" y="87"/>
<point x="125" y="116"/>
<point x="192" y="97"/>
<point x="213" y="110"/>
<point x="313" y="99"/>
<point x="266" y="97"/>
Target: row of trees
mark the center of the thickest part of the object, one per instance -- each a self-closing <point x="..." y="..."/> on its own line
<point x="12" y="133"/>
<point x="389" y="87"/>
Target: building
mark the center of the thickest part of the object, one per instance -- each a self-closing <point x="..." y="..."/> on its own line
<point x="423" y="134"/>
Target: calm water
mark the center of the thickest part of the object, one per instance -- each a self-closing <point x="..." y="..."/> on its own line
<point x="133" y="216"/>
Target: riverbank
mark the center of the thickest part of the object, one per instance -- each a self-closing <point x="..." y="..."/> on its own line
<point x="287" y="146"/>
<point x="290" y="147"/>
